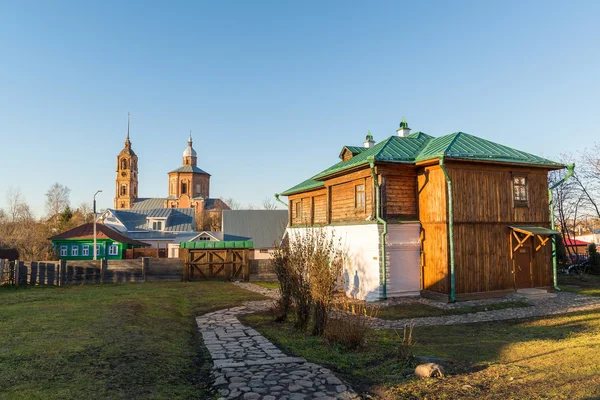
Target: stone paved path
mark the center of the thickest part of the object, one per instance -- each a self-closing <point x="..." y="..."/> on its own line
<point x="564" y="302"/>
<point x="247" y="366"/>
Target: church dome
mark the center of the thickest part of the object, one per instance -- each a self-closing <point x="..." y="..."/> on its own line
<point x="189" y="152"/>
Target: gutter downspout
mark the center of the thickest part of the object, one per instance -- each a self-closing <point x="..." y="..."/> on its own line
<point x="450" y="230"/>
<point x="570" y="172"/>
<point x="279" y="200"/>
<point x="380" y="220"/>
<point x="285" y="233"/>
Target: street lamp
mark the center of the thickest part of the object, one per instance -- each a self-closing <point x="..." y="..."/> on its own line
<point x="95" y="249"/>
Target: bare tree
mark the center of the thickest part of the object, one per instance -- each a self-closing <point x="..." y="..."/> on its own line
<point x="18" y="210"/>
<point x="85" y="212"/>
<point x="15" y="202"/>
<point x="269" y="204"/>
<point x="57" y="199"/>
<point x="232" y="203"/>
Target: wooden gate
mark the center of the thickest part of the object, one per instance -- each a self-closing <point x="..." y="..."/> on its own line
<point x="216" y="264"/>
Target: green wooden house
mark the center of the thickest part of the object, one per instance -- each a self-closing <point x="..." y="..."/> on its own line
<point x="78" y="243"/>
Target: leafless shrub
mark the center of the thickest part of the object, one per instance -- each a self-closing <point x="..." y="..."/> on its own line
<point x="351" y="323"/>
<point x="406" y="342"/>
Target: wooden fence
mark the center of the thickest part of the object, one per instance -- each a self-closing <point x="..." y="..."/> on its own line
<point x="57" y="273"/>
<point x="135" y="253"/>
<point x="215" y="264"/>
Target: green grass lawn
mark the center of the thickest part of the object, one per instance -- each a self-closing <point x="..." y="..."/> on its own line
<point x="417" y="310"/>
<point x="268" y="285"/>
<point x="588" y="285"/>
<point x="134" y="341"/>
<point x="555" y="357"/>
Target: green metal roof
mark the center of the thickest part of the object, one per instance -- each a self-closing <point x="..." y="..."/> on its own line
<point x="392" y="149"/>
<point x="469" y="147"/>
<point x="419" y="146"/>
<point x="308" y="184"/>
<point x="208" y="244"/>
<point x="535" y="230"/>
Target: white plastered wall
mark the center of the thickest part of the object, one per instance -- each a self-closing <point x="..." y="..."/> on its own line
<point x="403" y="251"/>
<point x="361" y="270"/>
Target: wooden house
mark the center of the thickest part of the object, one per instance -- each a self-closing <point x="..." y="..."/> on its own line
<point x="78" y="243"/>
<point x="453" y="217"/>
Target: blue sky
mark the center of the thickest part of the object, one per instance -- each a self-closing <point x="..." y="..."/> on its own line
<point x="273" y="90"/>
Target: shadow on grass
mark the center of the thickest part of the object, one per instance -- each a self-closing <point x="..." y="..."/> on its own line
<point x="519" y="359"/>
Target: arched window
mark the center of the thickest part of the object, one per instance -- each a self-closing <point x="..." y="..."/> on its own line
<point x="187" y="161"/>
<point x="123" y="163"/>
<point x="123" y="190"/>
<point x="183" y="188"/>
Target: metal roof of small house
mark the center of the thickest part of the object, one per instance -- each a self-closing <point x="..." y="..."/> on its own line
<point x="148" y="203"/>
<point x="176" y="219"/>
<point x="264" y="227"/>
<point x="102" y="231"/>
<point x="419" y="146"/>
<point x="190" y="168"/>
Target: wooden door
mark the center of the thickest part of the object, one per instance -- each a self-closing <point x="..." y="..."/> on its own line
<point x="522" y="265"/>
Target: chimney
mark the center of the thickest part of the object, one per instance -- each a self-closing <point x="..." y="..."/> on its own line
<point x="369" y="142"/>
<point x="403" y="130"/>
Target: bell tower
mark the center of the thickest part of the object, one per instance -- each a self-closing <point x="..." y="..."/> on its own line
<point x="127" y="175"/>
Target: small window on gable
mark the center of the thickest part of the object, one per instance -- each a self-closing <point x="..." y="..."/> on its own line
<point x="204" y="238"/>
<point x="520" y="192"/>
<point x="359" y="196"/>
<point x="299" y="210"/>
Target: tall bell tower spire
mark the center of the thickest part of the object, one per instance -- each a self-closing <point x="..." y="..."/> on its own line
<point x="127" y="174"/>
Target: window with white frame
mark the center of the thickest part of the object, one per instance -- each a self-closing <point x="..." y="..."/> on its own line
<point x="74" y="250"/>
<point x="98" y="249"/>
<point x="157" y="225"/>
<point x="63" y="251"/>
<point x="85" y="250"/>
<point x="113" y="250"/>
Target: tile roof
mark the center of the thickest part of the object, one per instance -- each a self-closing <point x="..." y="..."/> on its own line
<point x="264" y="227"/>
<point x="102" y="231"/>
<point x="190" y="168"/>
<point x="419" y="146"/>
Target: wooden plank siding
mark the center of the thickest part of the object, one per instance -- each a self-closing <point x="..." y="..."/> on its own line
<point x="431" y="188"/>
<point x="483" y="210"/>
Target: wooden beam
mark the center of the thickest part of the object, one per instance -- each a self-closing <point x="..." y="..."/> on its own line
<point x="542" y="242"/>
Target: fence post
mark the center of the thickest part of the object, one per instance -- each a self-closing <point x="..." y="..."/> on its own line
<point x="186" y="269"/>
<point x="62" y="272"/>
<point x="16" y="272"/>
<point x="246" y="265"/>
<point x="103" y="267"/>
<point x="145" y="265"/>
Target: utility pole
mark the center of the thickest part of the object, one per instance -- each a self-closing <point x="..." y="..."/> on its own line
<point x="95" y="249"/>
